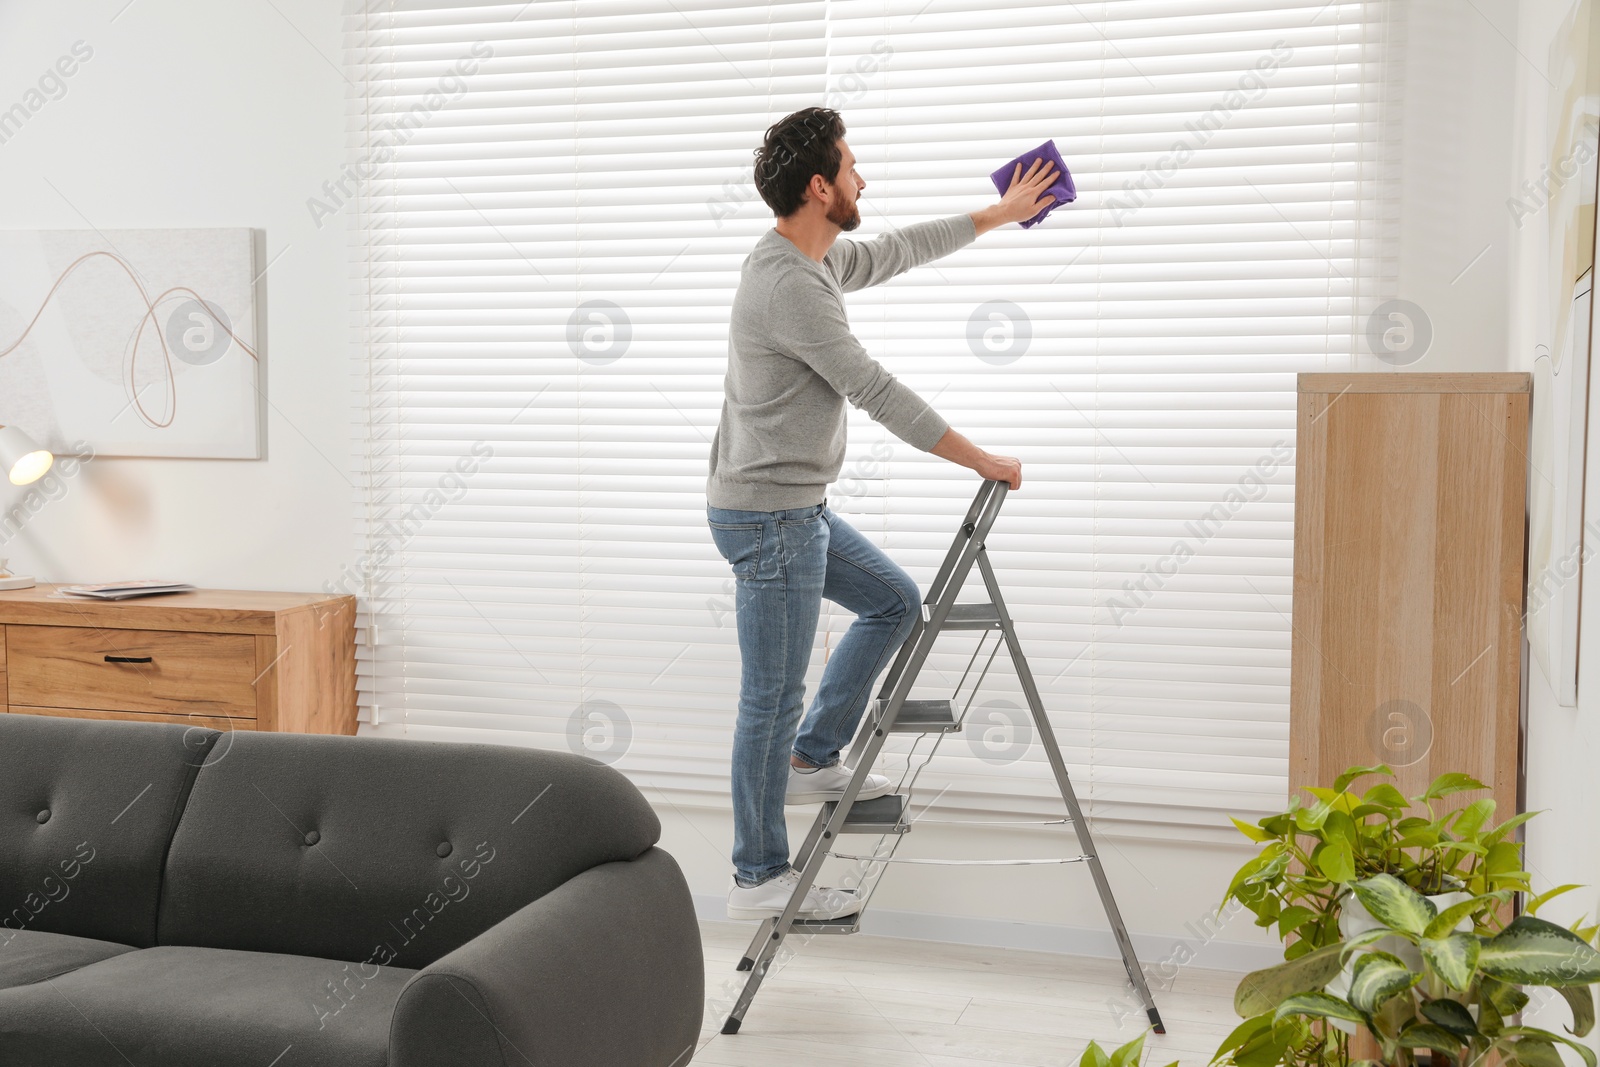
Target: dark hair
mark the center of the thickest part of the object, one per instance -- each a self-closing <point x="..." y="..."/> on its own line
<point x="795" y="148"/>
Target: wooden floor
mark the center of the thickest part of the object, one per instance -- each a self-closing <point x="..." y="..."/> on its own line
<point x="843" y="1001"/>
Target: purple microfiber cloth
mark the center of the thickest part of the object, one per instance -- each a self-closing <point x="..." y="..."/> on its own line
<point x="1063" y="189"/>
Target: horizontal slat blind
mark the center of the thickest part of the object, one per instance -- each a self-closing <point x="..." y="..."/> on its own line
<point x="545" y="255"/>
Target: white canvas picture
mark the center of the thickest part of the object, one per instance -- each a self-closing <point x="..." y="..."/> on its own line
<point x="135" y="342"/>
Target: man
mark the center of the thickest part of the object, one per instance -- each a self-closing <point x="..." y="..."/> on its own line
<point x="792" y="363"/>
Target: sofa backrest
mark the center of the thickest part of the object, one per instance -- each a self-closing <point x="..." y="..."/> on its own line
<point x="87" y="809"/>
<point x="384" y="850"/>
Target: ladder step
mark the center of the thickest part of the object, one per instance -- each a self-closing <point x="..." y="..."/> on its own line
<point x="923" y="716"/>
<point x="880" y="815"/>
<point x="967" y="617"/>
<point x="850" y="924"/>
<point x="845" y="924"/>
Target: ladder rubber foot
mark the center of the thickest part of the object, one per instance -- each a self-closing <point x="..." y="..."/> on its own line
<point x="1155" y="1020"/>
<point x="731" y="1026"/>
<point x="746" y="963"/>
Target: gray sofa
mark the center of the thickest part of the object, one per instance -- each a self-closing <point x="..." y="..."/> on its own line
<point x="175" y="897"/>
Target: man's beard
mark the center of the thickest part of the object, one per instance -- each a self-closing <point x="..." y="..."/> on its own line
<point x="845" y="216"/>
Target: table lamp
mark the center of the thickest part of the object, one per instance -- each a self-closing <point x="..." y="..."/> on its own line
<point x="24" y="463"/>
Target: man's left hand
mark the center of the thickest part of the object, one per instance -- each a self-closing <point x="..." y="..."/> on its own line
<point x="1022" y="200"/>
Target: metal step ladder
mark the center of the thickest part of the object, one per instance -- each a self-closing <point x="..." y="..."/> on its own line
<point x="893" y="712"/>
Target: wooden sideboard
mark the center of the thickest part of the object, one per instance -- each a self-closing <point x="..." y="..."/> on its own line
<point x="1410" y="504"/>
<point x="215" y="658"/>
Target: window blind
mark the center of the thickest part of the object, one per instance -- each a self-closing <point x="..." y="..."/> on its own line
<point x="551" y="205"/>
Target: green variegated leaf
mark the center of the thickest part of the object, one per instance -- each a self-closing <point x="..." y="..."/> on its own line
<point x="1580" y="998"/>
<point x="1094" y="1056"/>
<point x="1446" y="920"/>
<point x="1452" y="1015"/>
<point x="1452" y="958"/>
<point x="1343" y="781"/>
<point x="1450" y="784"/>
<point x="1377" y="976"/>
<point x="1526" y="1034"/>
<point x="1531" y="1052"/>
<point x="1506" y="999"/>
<point x="1262" y="991"/>
<point x="1531" y="951"/>
<point x="1489" y="1021"/>
<point x="1427" y="1035"/>
<point x="1395" y="904"/>
<point x="1317" y="1005"/>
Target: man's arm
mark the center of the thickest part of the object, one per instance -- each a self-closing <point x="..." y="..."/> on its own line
<point x="958" y="449"/>
<point x="804" y="320"/>
<point x="859" y="264"/>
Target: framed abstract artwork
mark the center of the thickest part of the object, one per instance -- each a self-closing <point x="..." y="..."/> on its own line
<point x="133" y="342"/>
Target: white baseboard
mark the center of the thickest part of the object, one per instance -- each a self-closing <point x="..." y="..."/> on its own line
<point x="1158" y="953"/>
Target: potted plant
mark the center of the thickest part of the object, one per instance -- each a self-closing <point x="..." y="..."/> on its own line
<point x="1459" y="1003"/>
<point x="1311" y="855"/>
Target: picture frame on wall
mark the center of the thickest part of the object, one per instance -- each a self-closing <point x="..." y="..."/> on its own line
<point x="131" y="342"/>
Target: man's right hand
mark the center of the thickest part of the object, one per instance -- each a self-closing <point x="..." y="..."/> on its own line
<point x="1000" y="469"/>
<point x="957" y="449"/>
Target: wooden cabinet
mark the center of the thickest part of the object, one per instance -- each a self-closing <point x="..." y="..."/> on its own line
<point x="220" y="659"/>
<point x="1410" y="501"/>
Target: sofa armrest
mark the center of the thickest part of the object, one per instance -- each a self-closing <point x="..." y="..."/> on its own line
<point x="605" y="970"/>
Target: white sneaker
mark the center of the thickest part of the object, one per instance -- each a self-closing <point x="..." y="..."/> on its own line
<point x="827" y="783"/>
<point x="772" y="896"/>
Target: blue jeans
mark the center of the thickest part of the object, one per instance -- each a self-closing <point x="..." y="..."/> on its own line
<point x="784" y="563"/>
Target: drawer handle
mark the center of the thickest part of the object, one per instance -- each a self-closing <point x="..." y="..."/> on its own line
<point x="129" y="659"/>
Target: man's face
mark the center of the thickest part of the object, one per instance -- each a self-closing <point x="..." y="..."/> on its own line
<point x="842" y="211"/>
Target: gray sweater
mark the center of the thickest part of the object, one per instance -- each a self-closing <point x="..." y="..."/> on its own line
<point x="792" y="363"/>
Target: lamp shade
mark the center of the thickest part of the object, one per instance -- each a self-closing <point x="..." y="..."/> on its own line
<point x="23" y="461"/>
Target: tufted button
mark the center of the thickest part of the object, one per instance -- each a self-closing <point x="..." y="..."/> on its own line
<point x="313" y="837"/>
<point x="443" y="850"/>
<point x="43" y="817"/>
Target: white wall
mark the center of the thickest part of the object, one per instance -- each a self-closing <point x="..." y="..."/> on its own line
<point x="204" y="114"/>
<point x="1457" y="73"/>
<point x="197" y="114"/>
